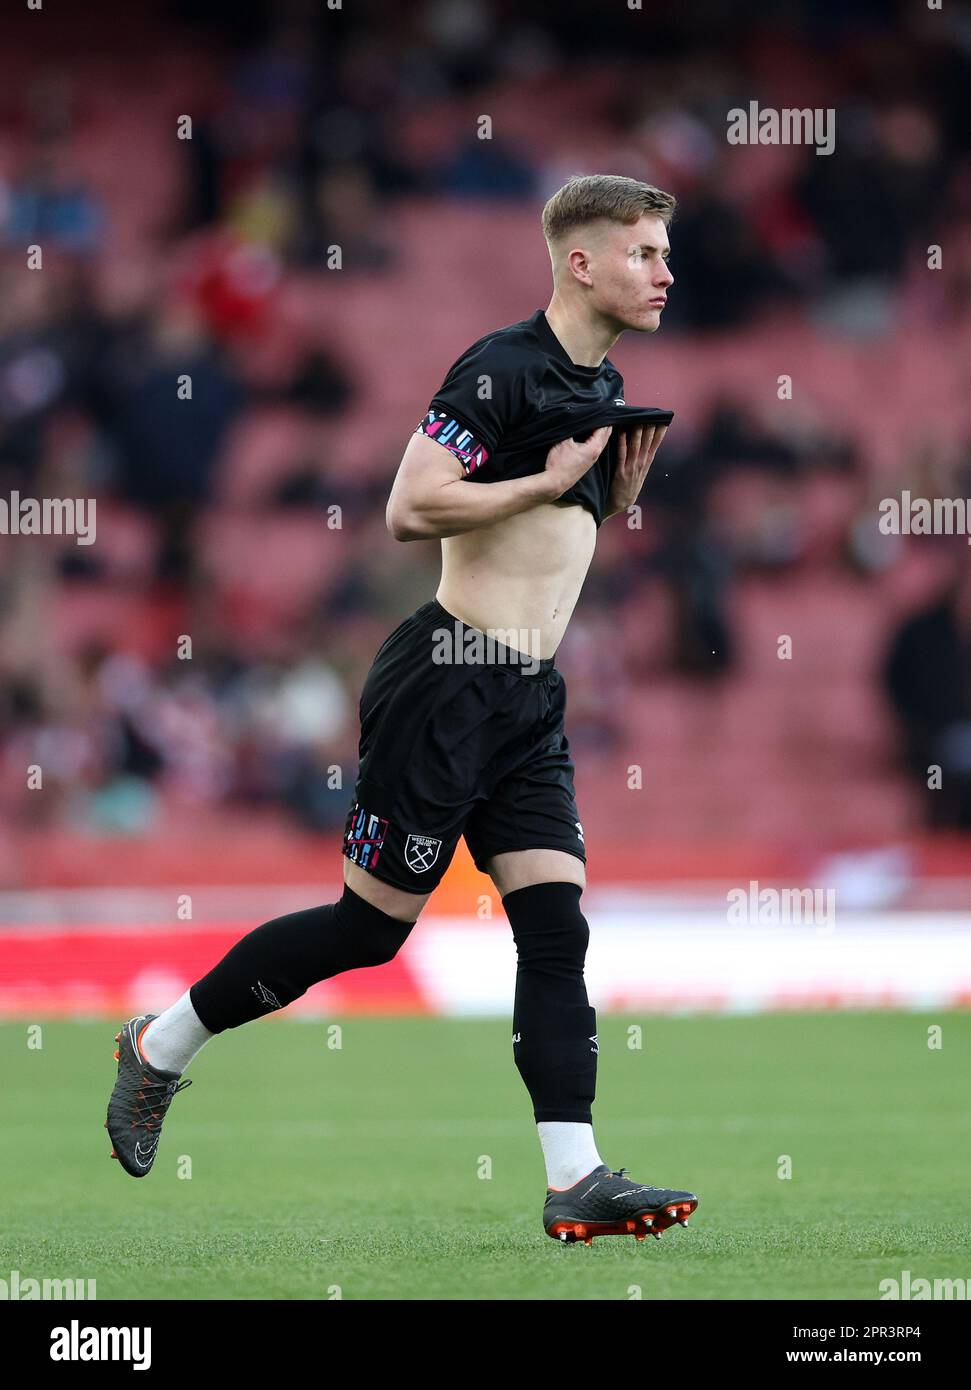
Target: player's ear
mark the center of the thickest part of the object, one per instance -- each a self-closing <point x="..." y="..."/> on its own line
<point x="579" y="265"/>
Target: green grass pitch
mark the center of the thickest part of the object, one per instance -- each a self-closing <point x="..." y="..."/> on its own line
<point x="356" y="1172"/>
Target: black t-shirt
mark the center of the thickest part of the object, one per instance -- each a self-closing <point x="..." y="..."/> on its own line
<point x="514" y="394"/>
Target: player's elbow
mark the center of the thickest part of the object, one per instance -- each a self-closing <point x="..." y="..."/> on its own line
<point x="404" y="523"/>
<point x="403" y="532"/>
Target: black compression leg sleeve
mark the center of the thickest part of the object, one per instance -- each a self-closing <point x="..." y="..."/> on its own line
<point x="280" y="960"/>
<point x="554" y="1027"/>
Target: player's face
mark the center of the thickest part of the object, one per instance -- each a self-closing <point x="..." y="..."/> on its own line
<point x="630" y="273"/>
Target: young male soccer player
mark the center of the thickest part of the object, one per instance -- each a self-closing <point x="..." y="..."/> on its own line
<point x="526" y="449"/>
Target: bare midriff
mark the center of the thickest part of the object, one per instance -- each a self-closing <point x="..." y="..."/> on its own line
<point x="522" y="575"/>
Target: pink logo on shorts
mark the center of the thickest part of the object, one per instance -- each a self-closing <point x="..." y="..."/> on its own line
<point x="364" y="835"/>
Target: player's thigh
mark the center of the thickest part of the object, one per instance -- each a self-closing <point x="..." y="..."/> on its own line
<point x="425" y="729"/>
<point x="403" y="906"/>
<point x="521" y="868"/>
<point x="528" y="830"/>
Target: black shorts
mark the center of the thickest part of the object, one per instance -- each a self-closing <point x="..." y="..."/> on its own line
<point x="448" y="747"/>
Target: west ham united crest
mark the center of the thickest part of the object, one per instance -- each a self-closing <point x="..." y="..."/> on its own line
<point x="421" y="851"/>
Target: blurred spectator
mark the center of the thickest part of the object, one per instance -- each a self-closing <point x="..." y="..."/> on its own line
<point x="169" y="443"/>
<point x="724" y="272"/>
<point x="928" y="680"/>
<point x="342" y="217"/>
<point x="48" y="205"/>
<point x="488" y="169"/>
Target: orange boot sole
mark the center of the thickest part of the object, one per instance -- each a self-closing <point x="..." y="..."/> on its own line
<point x="653" y="1223"/>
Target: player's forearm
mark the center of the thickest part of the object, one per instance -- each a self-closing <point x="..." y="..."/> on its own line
<point x="461" y="505"/>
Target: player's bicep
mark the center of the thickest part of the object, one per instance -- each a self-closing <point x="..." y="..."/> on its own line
<point x="425" y="467"/>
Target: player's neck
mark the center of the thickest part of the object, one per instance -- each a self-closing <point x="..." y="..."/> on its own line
<point x="585" y="340"/>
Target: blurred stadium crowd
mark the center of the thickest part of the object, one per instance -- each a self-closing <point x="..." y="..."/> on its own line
<point x="251" y="516"/>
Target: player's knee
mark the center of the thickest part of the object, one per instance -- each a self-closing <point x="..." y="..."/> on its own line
<point x="548" y="926"/>
<point x="371" y="936"/>
<point x="378" y="951"/>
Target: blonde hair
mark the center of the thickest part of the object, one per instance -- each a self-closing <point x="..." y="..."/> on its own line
<point x="588" y="197"/>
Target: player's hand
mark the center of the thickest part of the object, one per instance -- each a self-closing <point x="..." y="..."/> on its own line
<point x="567" y="461"/>
<point x="636" y="450"/>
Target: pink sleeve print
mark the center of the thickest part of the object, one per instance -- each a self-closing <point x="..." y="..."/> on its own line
<point x="454" y="437"/>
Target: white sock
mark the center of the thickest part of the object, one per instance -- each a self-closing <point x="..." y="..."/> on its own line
<point x="172" y="1040"/>
<point x="569" y="1151"/>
